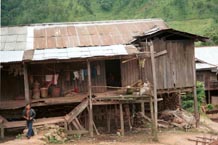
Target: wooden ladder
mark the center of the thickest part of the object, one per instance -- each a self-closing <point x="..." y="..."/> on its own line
<point x="71" y="118"/>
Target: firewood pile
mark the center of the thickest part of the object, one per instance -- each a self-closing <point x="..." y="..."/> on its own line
<point x="168" y="119"/>
<point x="178" y="118"/>
<point x="139" y="120"/>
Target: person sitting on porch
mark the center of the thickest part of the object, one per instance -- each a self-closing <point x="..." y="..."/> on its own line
<point x="29" y="114"/>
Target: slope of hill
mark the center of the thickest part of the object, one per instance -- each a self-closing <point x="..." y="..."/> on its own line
<point x="188" y="15"/>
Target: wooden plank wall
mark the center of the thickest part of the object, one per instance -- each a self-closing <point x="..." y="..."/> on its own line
<point x="129" y="72"/>
<point x="206" y="76"/>
<point x="173" y="70"/>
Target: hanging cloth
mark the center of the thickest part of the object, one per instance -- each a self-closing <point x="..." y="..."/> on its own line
<point x="56" y="79"/>
<point x="48" y="78"/>
<point x="76" y="75"/>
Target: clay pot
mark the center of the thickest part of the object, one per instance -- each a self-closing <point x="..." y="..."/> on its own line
<point x="44" y="92"/>
<point x="56" y="91"/>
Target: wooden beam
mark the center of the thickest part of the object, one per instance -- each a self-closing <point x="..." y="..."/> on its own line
<point x="160" y="53"/>
<point x="155" y="91"/>
<point x="26" y="83"/>
<point x="90" y="99"/>
<point x="131" y="59"/>
<point x="121" y="119"/>
<point x="197" y="116"/>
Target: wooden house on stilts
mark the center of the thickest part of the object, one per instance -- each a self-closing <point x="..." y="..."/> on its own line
<point x="68" y="67"/>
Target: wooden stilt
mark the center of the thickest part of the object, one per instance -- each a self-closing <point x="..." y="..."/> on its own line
<point x="209" y="99"/>
<point x="121" y="119"/>
<point x="90" y="99"/>
<point x="127" y="113"/>
<point x="154" y="91"/>
<point x="65" y="126"/>
<point x="180" y="101"/>
<point x="2" y="131"/>
<point x="116" y="116"/>
<point x="143" y="107"/>
<point x="108" y="119"/>
<point x="197" y="117"/>
<point x="26" y="84"/>
<point x="152" y="115"/>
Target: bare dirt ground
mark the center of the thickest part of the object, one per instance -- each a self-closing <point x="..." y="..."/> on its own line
<point x="165" y="138"/>
<point x="170" y="137"/>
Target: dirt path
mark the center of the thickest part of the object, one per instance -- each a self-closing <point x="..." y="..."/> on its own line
<point x="171" y="137"/>
<point x="165" y="138"/>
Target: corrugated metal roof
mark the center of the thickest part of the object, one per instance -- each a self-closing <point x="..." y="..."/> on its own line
<point x="16" y="38"/>
<point x="207" y="54"/>
<point x="168" y="33"/>
<point x="78" y="34"/>
<point x="81" y="52"/>
<point x="11" y="56"/>
<point x="200" y="66"/>
<point x="91" y="34"/>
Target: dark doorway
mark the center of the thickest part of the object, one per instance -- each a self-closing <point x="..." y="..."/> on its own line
<point x="113" y="73"/>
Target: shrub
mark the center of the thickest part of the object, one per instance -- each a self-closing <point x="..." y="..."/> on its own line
<point x="188" y="99"/>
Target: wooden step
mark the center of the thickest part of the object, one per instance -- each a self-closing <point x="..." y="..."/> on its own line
<point x="76" y="111"/>
<point x="41" y="121"/>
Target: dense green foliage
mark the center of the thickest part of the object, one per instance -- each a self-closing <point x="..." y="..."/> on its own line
<point x="197" y="16"/>
<point x="188" y="100"/>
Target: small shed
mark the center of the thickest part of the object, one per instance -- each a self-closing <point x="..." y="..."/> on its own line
<point x="207" y="71"/>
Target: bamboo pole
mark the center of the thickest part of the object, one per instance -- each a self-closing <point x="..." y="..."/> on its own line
<point x="155" y="91"/>
<point x="26" y="84"/>
<point x="90" y="99"/>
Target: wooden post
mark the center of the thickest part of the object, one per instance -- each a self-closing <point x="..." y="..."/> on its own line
<point x="152" y="115"/>
<point x="197" y="117"/>
<point x="209" y="99"/>
<point x="180" y="99"/>
<point x="116" y="115"/>
<point x="121" y="119"/>
<point x="108" y="119"/>
<point x="143" y="107"/>
<point x="26" y="83"/>
<point x="155" y="91"/>
<point x="90" y="99"/>
<point x="2" y="131"/>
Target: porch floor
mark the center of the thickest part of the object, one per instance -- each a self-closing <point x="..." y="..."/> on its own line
<point x="76" y="98"/>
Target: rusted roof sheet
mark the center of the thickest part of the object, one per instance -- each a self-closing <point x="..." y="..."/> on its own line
<point x="92" y="33"/>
